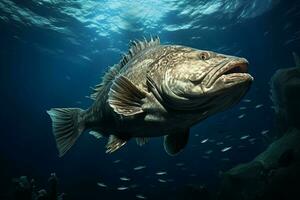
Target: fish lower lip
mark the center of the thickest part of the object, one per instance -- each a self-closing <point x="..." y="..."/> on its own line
<point x="233" y="70"/>
<point x="235" y="77"/>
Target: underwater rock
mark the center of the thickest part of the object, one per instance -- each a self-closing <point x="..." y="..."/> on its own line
<point x="274" y="174"/>
<point x="23" y="189"/>
<point x="285" y="94"/>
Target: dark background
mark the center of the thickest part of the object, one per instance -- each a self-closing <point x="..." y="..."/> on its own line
<point x="35" y="78"/>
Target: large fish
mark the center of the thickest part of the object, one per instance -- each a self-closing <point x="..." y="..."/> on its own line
<point x="155" y="90"/>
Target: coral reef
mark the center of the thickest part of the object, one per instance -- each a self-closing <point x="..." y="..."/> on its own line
<point x="285" y="94"/>
<point x="275" y="173"/>
<point x="25" y="189"/>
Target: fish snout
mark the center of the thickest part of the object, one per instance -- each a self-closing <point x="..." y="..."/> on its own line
<point x="230" y="71"/>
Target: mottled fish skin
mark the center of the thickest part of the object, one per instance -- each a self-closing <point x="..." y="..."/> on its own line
<point x="157" y="90"/>
<point x="177" y="72"/>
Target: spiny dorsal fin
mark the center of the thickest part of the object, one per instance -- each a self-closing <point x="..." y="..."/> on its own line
<point x="106" y="79"/>
<point x="135" y="47"/>
<point x="296" y="59"/>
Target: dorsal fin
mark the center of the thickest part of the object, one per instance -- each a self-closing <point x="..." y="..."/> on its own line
<point x="111" y="73"/>
<point x="135" y="47"/>
<point x="296" y="59"/>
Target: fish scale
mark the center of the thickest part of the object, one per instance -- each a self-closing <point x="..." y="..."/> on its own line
<point x="155" y="90"/>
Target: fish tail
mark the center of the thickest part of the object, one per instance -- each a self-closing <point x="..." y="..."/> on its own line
<point x="67" y="125"/>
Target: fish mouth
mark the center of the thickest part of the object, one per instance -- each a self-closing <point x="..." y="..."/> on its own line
<point x="240" y="67"/>
<point x="235" y="71"/>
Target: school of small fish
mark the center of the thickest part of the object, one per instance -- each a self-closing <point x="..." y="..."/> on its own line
<point x="224" y="145"/>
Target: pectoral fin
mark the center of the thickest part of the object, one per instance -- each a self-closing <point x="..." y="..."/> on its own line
<point x="175" y="142"/>
<point x="125" y="98"/>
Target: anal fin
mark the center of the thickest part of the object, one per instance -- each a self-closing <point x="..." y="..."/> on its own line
<point x="114" y="143"/>
<point x="141" y="141"/>
<point x="175" y="142"/>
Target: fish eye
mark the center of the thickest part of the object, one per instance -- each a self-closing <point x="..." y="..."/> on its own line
<point x="204" y="56"/>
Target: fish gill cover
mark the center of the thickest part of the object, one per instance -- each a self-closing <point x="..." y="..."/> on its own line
<point x="52" y="52"/>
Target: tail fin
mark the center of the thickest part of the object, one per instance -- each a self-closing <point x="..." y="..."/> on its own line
<point x="67" y="125"/>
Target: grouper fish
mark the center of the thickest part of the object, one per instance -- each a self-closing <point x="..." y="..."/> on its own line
<point x="155" y="90"/>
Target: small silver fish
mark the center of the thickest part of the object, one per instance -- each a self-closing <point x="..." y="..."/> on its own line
<point x="259" y="106"/>
<point x="264" y="132"/>
<point x="85" y="57"/>
<point x="203" y="141"/>
<point x="139" y="196"/>
<point x="162" y="180"/>
<point x="244" y="137"/>
<point x="226" y="149"/>
<point x="101" y="184"/>
<point x="122" y="188"/>
<point x="161" y="173"/>
<point x="139" y="167"/>
<point x="241" y="116"/>
<point x="124" y="179"/>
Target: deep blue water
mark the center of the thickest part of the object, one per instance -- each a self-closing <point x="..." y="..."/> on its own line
<point x="52" y="52"/>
